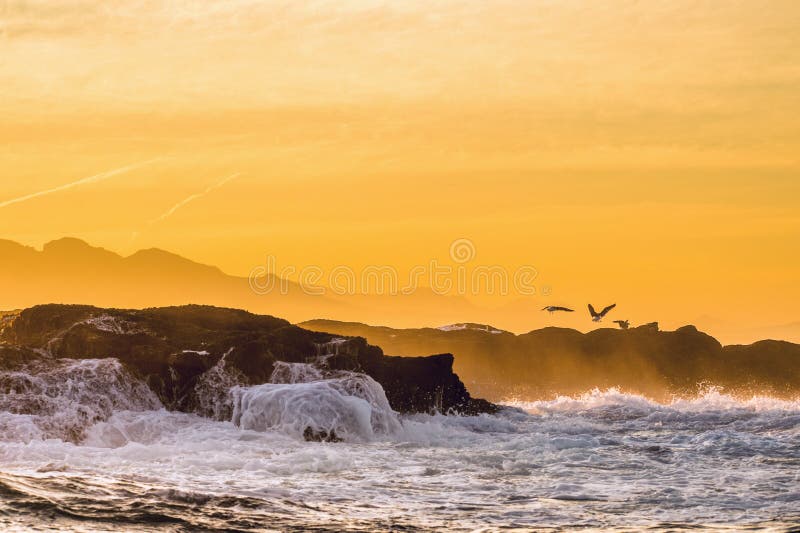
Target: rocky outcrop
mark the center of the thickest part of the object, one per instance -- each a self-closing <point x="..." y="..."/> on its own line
<point x="414" y="384"/>
<point x="565" y="361"/>
<point x="173" y="348"/>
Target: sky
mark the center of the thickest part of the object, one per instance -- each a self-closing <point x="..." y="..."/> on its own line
<point x="639" y="152"/>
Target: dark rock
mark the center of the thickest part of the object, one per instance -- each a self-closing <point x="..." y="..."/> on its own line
<point x="418" y="384"/>
<point x="172" y="347"/>
<point x="312" y="435"/>
<point x="13" y="357"/>
<point x="551" y="361"/>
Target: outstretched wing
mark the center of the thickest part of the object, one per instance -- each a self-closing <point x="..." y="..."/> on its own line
<point x="557" y="308"/>
<point x="592" y="311"/>
<point x="607" y="309"/>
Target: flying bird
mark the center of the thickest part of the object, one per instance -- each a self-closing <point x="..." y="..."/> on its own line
<point x="623" y="324"/>
<point x="597" y="317"/>
<point x="553" y="308"/>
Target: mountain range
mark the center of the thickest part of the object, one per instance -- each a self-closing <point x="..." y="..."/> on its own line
<point x="69" y="270"/>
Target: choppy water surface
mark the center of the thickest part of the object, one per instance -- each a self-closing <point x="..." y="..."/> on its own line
<point x="603" y="460"/>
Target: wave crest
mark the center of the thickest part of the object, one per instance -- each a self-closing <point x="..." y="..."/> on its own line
<point x="711" y="399"/>
<point x="348" y="405"/>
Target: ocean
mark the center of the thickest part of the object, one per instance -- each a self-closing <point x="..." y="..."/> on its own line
<point x="85" y="447"/>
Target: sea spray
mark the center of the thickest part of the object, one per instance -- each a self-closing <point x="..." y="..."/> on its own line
<point x="300" y="399"/>
<point x="605" y="459"/>
<point x="212" y="391"/>
<point x="295" y="373"/>
<point x="709" y="400"/>
<point x="304" y="398"/>
<point x="61" y="398"/>
<point x="295" y="408"/>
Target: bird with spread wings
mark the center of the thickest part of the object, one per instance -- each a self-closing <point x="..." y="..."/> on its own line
<point x="553" y="308"/>
<point x="597" y="317"/>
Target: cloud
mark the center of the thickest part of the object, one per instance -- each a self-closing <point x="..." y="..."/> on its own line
<point x="171" y="211"/>
<point x="83" y="181"/>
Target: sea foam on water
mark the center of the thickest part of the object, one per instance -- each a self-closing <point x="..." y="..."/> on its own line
<point x="89" y="438"/>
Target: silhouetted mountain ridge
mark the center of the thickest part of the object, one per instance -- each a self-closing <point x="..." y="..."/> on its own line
<point x="69" y="270"/>
<point x="158" y="259"/>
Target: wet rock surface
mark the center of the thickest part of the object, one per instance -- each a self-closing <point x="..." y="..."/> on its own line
<point x="173" y="348"/>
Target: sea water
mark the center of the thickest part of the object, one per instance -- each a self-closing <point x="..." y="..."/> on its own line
<point x="85" y="446"/>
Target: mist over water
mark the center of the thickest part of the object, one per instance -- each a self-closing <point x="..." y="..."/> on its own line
<point x="84" y="447"/>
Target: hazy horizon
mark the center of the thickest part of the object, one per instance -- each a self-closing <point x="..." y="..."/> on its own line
<point x="71" y="272"/>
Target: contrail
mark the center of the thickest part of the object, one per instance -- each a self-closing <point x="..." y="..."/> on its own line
<point x="91" y="179"/>
<point x="171" y="211"/>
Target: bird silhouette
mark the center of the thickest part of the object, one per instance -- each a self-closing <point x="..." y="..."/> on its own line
<point x="597" y="317"/>
<point x="623" y="324"/>
<point x="553" y="308"/>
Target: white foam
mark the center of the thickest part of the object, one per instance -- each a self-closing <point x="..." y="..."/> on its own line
<point x="352" y="406"/>
<point x="627" y="459"/>
<point x="291" y="409"/>
<point x="712" y="399"/>
<point x="62" y="398"/>
<point x="605" y="458"/>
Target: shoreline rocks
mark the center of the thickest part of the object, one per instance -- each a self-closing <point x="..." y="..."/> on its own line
<point x="171" y="348"/>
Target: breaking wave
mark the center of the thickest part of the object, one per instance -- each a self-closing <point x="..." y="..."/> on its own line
<point x="86" y="445"/>
<point x="60" y="399"/>
<point x="712" y="406"/>
<point x="301" y="400"/>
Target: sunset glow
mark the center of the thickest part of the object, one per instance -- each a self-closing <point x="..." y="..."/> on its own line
<point x="644" y="153"/>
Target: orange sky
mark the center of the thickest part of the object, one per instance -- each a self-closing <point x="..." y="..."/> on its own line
<point x="640" y="152"/>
